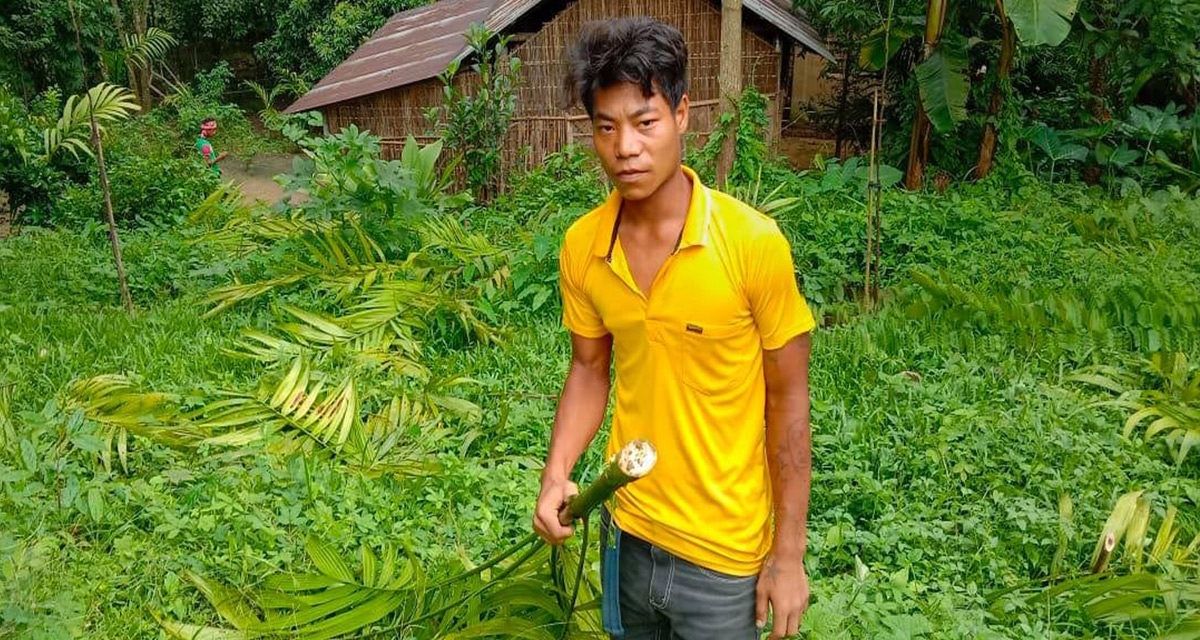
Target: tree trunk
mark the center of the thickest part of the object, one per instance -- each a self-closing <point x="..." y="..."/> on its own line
<point x="1098" y="87"/>
<point x="126" y="298"/>
<point x="1008" y="49"/>
<point x="141" y="10"/>
<point x="918" y="145"/>
<point x="842" y="102"/>
<point x="729" y="80"/>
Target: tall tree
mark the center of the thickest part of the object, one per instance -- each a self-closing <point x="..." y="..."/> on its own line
<point x="729" y="79"/>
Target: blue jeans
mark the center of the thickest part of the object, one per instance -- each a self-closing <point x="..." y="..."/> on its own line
<point x="660" y="596"/>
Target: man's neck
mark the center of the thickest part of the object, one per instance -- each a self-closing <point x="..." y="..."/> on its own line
<point x="669" y="203"/>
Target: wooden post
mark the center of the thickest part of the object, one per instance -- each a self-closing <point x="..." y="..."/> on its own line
<point x="787" y="78"/>
<point x="729" y="79"/>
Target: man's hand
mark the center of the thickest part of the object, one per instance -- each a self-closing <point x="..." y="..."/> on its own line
<point x="221" y="156"/>
<point x="545" y="517"/>
<point x="783" y="585"/>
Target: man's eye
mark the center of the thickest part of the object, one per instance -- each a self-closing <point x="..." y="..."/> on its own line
<point x="646" y="123"/>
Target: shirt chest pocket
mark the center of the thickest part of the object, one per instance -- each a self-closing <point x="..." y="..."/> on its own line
<point x="711" y="358"/>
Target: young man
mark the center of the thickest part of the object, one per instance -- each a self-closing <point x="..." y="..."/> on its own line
<point x="208" y="128"/>
<point x="694" y="295"/>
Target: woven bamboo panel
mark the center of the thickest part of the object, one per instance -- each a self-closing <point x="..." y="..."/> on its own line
<point x="542" y="124"/>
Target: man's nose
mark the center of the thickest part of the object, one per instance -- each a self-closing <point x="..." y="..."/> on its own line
<point x="628" y="144"/>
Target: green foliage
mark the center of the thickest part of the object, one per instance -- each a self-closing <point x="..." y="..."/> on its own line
<point x="1153" y="592"/>
<point x="104" y="102"/>
<point x="945" y="441"/>
<point x="1041" y="21"/>
<point x="1171" y="400"/>
<point x="474" y="123"/>
<point x="345" y="175"/>
<point x="750" y="144"/>
<point x="944" y="87"/>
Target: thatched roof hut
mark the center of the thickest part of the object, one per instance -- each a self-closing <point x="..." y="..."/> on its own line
<point x="387" y="85"/>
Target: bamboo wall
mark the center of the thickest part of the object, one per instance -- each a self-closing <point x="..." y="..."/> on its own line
<point x="541" y="125"/>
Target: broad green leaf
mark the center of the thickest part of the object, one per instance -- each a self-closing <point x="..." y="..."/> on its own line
<point x="944" y="87"/>
<point x="881" y="44"/>
<point x="298" y="582"/>
<point x="382" y="605"/>
<point x="327" y="560"/>
<point x="1041" y="21"/>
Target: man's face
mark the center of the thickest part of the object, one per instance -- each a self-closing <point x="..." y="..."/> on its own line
<point x="638" y="139"/>
<point x="208" y="128"/>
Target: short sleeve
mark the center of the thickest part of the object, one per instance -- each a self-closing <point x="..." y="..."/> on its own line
<point x="780" y="312"/>
<point x="579" y="315"/>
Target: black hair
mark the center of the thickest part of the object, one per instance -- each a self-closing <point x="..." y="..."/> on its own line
<point x="207" y="120"/>
<point x="641" y="51"/>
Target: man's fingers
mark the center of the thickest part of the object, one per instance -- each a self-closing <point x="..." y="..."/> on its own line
<point x="551" y="530"/>
<point x="793" y="622"/>
<point x="760" y="608"/>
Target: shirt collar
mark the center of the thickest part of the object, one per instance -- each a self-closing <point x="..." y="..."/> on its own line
<point x="695" y="226"/>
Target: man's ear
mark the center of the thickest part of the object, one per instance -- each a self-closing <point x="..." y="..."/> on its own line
<point x="681" y="114"/>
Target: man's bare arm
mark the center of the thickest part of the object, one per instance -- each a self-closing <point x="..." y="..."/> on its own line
<point x="579" y="415"/>
<point x="783" y="583"/>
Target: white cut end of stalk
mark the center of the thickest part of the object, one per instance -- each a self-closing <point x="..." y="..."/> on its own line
<point x="637" y="458"/>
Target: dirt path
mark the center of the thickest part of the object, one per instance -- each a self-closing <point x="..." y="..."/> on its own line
<point x="257" y="182"/>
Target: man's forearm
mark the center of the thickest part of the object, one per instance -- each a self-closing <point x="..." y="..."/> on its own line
<point x="789" y="447"/>
<point x="578" y="418"/>
<point x="789" y="459"/>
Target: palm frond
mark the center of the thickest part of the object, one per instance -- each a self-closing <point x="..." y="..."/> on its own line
<point x="142" y="50"/>
<point x="1157" y="584"/>
<point x="341" y="260"/>
<point x="107" y="103"/>
<point x="391" y="588"/>
<point x="304" y="402"/>
<point x="224" y="205"/>
<point x="1167" y="403"/>
<point x="113" y="402"/>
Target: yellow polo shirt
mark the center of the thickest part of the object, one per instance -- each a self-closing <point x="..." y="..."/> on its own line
<point x="689" y="370"/>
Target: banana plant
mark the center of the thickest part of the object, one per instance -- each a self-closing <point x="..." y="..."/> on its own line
<point x="942" y="78"/>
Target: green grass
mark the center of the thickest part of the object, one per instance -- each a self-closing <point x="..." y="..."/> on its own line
<point x="941" y="446"/>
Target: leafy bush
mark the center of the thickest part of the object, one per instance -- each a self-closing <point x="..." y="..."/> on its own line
<point x="474" y="123"/>
<point x="145" y="190"/>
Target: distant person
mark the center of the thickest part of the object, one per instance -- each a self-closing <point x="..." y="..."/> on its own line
<point x="208" y="128"/>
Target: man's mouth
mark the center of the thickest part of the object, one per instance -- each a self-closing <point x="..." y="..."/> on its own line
<point x="630" y="175"/>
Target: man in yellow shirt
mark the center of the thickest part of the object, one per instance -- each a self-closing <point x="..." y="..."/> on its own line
<point x="692" y="295"/>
